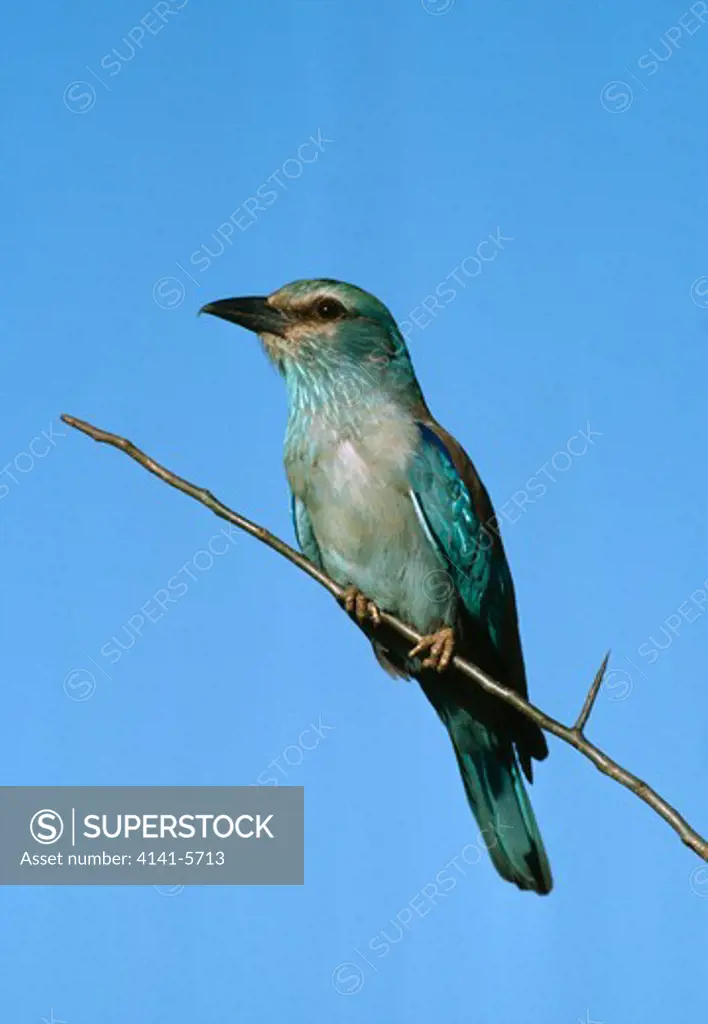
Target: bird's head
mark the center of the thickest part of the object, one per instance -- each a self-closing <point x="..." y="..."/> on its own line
<point x="325" y="335"/>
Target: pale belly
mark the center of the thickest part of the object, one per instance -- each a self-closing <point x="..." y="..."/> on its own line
<point x="369" y="535"/>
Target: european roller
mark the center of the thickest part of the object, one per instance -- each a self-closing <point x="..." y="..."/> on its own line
<point x="388" y="504"/>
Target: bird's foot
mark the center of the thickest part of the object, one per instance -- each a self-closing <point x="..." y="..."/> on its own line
<point x="359" y="605"/>
<point x="441" y="646"/>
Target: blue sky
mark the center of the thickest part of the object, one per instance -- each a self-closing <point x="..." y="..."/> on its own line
<point x="575" y="133"/>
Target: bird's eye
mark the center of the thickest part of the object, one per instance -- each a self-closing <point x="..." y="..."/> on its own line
<point x="329" y="309"/>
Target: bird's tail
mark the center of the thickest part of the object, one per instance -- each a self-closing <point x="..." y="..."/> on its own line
<point x="499" y="801"/>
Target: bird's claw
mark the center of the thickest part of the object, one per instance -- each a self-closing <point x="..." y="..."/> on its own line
<point x="359" y="605"/>
<point x="441" y="646"/>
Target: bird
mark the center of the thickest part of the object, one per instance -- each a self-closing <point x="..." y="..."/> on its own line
<point x="389" y="505"/>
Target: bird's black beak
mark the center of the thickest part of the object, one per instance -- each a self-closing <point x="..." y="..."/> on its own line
<point x="253" y="312"/>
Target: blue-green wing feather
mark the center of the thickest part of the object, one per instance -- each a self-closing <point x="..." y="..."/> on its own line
<point x="466" y="541"/>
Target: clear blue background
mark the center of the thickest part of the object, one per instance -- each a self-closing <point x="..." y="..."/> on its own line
<point x="443" y="128"/>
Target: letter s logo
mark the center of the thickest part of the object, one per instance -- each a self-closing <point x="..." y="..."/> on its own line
<point x="46" y="827"/>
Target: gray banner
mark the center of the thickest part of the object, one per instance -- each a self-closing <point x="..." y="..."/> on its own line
<point x="152" y="835"/>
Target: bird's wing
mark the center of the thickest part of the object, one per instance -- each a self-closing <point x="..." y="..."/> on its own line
<point x="304" y="532"/>
<point x="455" y="508"/>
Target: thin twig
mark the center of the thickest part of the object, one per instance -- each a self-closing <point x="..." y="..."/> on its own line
<point x="592" y="695"/>
<point x="573" y="735"/>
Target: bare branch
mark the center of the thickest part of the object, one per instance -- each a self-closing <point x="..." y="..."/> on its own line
<point x="573" y="735"/>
